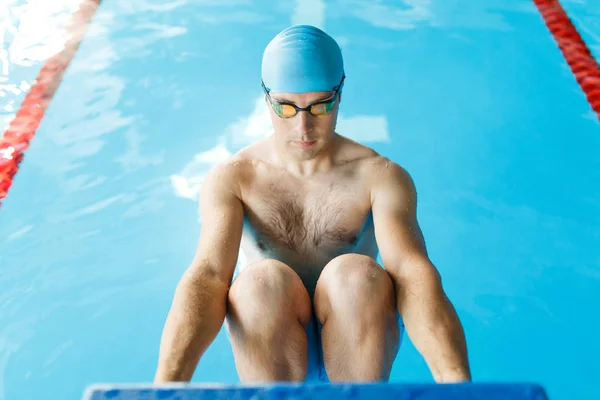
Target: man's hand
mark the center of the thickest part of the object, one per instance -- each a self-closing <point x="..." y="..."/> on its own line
<point x="430" y="319"/>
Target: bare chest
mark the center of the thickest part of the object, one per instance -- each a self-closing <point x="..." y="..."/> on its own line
<point x="315" y="221"/>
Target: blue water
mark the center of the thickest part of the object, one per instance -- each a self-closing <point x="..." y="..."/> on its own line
<point x="473" y="98"/>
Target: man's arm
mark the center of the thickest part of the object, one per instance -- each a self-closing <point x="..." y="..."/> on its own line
<point x="199" y="303"/>
<point x="430" y="319"/>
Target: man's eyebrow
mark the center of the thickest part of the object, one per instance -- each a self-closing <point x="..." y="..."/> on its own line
<point x="280" y="100"/>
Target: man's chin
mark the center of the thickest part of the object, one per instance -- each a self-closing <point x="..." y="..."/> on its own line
<point x="303" y="154"/>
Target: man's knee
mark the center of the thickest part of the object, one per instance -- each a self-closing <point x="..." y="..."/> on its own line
<point x="357" y="280"/>
<point x="355" y="272"/>
<point x="266" y="293"/>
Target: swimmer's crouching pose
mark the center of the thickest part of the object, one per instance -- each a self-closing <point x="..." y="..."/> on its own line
<point x="311" y="210"/>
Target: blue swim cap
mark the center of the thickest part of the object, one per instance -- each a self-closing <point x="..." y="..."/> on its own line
<point x="300" y="59"/>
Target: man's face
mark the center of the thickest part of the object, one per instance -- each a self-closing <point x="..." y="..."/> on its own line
<point x="304" y="135"/>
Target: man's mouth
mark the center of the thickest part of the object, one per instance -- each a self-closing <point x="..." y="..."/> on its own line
<point x="302" y="143"/>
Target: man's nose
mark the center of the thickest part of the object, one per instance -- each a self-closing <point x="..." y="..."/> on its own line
<point x="305" y="121"/>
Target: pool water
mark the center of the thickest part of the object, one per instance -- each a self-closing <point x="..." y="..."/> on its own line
<point x="473" y="98"/>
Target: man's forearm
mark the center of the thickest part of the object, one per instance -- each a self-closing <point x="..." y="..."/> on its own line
<point x="195" y="318"/>
<point x="435" y="329"/>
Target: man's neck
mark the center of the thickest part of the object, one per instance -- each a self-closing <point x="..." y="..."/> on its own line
<point x="322" y="163"/>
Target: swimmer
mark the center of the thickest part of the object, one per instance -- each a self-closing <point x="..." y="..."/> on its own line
<point x="311" y="210"/>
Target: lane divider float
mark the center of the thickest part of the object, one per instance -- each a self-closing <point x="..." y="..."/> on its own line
<point x="579" y="57"/>
<point x="21" y="130"/>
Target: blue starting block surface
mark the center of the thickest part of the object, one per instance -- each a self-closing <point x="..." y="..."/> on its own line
<point x="463" y="391"/>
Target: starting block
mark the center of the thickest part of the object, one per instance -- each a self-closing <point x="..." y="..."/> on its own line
<point x="325" y="391"/>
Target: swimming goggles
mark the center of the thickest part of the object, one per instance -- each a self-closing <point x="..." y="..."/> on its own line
<point x="319" y="109"/>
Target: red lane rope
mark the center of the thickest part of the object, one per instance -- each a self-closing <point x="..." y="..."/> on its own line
<point x="22" y="128"/>
<point x="576" y="53"/>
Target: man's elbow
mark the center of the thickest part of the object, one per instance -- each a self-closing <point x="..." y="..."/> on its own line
<point x="204" y="283"/>
<point x="201" y="274"/>
<point x="418" y="276"/>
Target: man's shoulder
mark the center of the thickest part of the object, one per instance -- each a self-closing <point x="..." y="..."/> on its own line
<point x="383" y="166"/>
<point x="380" y="171"/>
<point x="371" y="165"/>
<point x="248" y="157"/>
<point x="375" y="165"/>
<point x="233" y="168"/>
<point x="350" y="151"/>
